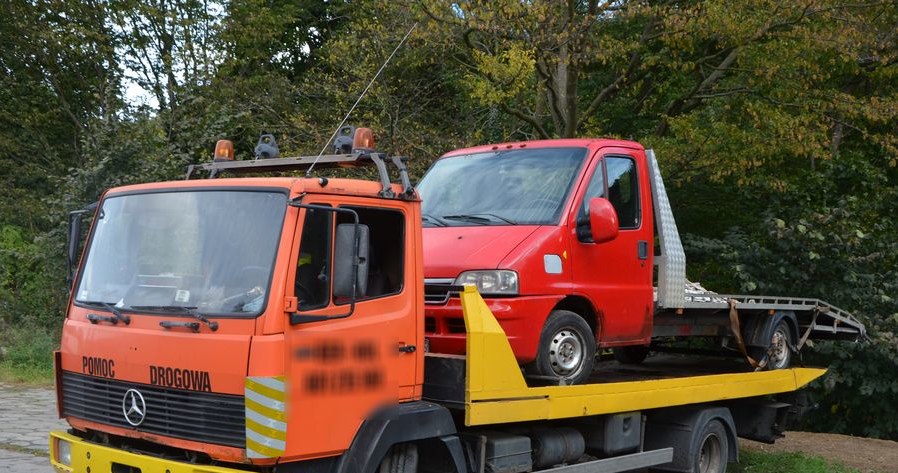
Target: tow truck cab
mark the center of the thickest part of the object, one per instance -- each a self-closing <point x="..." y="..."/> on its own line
<point x="197" y="300"/>
<point x="530" y="225"/>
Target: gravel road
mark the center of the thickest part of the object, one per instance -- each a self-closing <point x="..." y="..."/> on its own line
<point x="27" y="414"/>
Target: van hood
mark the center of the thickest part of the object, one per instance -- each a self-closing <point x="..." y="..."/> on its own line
<point x="450" y="250"/>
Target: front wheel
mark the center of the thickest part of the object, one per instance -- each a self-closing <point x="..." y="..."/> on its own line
<point x="567" y="348"/>
<point x="402" y="458"/>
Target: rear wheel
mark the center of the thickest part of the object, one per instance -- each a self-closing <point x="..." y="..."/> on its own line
<point x="631" y="355"/>
<point x="567" y="348"/>
<point x="779" y="351"/>
<point x="711" y="453"/>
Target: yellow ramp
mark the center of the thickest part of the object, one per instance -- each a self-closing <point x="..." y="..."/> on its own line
<point x="496" y="392"/>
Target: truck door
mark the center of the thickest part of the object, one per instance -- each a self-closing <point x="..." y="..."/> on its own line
<point x="617" y="275"/>
<point x="343" y="368"/>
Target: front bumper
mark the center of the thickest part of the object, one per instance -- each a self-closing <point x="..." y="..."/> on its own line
<point x="87" y="456"/>
<point x="521" y="317"/>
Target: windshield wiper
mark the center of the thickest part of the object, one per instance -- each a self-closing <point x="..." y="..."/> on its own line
<point x="436" y="220"/>
<point x="119" y="316"/>
<point x="498" y="217"/>
<point x="481" y="218"/>
<point x="179" y="308"/>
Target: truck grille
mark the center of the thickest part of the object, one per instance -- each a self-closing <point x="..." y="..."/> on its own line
<point x="197" y="416"/>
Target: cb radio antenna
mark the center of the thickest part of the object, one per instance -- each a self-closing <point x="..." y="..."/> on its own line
<point x="351" y="109"/>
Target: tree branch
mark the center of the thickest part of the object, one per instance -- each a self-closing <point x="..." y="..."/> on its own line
<point x="529" y="119"/>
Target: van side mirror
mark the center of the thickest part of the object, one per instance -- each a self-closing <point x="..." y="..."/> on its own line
<point x="602" y="220"/>
<point x="351" y="260"/>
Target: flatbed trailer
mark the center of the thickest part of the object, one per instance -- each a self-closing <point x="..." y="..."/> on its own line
<point x="627" y="418"/>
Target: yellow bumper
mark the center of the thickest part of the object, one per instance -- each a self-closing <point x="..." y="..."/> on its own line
<point x="95" y="458"/>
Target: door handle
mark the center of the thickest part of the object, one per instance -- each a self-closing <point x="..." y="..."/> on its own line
<point x="407" y="349"/>
<point x="642" y="249"/>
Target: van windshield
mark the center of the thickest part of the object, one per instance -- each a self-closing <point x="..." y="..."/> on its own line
<point x="208" y="251"/>
<point x="523" y="186"/>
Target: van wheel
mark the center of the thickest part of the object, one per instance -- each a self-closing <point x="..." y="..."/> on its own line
<point x="780" y="348"/>
<point x="631" y="355"/>
<point x="567" y="348"/>
<point x="711" y="453"/>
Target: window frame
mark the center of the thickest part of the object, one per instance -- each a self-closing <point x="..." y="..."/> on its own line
<point x="634" y="190"/>
<point x="601" y="166"/>
<point x="330" y="256"/>
<point x="402" y="240"/>
<point x="87" y="246"/>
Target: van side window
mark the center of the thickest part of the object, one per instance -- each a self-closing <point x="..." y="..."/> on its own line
<point x="386" y="249"/>
<point x="623" y="190"/>
<point x="313" y="269"/>
<point x="596" y="188"/>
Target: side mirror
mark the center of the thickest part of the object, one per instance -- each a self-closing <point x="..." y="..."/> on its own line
<point x="351" y="260"/>
<point x="73" y="241"/>
<point x="602" y="220"/>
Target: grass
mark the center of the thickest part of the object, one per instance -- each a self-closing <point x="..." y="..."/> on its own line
<point x="751" y="461"/>
<point x="27" y="355"/>
<point x="17" y="448"/>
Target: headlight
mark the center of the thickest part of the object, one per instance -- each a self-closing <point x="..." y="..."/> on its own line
<point x="64" y="452"/>
<point x="495" y="282"/>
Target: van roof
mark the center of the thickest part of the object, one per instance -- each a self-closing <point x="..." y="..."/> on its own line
<point x="592" y="143"/>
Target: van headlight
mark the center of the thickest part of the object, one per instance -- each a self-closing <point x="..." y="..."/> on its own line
<point x="492" y="282"/>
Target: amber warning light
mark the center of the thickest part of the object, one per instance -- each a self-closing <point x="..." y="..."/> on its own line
<point x="224" y="151"/>
<point x="363" y="140"/>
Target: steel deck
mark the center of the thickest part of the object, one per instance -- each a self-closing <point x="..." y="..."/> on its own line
<point x="495" y="391"/>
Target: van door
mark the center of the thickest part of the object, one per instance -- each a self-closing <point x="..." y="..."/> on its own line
<point x="617" y="275"/>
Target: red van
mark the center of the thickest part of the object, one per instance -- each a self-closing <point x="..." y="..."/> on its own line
<point x="556" y="235"/>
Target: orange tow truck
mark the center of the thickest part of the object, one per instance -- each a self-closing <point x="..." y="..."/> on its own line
<point x="276" y="324"/>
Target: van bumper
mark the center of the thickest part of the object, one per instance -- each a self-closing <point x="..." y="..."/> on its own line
<point x="87" y="456"/>
<point x="521" y="318"/>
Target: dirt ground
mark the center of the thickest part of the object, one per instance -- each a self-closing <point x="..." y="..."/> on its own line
<point x="866" y="455"/>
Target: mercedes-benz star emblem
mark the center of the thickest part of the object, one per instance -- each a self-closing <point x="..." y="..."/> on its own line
<point x="134" y="407"/>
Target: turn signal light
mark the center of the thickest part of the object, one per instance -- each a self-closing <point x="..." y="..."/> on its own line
<point x="363" y="140"/>
<point x="224" y="151"/>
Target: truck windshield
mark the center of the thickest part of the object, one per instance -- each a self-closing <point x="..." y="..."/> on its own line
<point x="523" y="186"/>
<point x="207" y="251"/>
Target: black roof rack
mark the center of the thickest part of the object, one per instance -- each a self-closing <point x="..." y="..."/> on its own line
<point x="216" y="168"/>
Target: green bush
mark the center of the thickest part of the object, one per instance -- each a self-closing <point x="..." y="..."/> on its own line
<point x="27" y="354"/>
<point x="838" y="242"/>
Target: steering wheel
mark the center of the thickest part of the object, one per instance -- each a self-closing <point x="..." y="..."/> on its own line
<point x="302" y="293"/>
<point x="262" y="270"/>
<point x="245" y="275"/>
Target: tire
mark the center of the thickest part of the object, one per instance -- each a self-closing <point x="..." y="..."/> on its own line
<point x="631" y="355"/>
<point x="567" y="348"/>
<point x="711" y="451"/>
<point x="780" y="349"/>
<point x="402" y="458"/>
